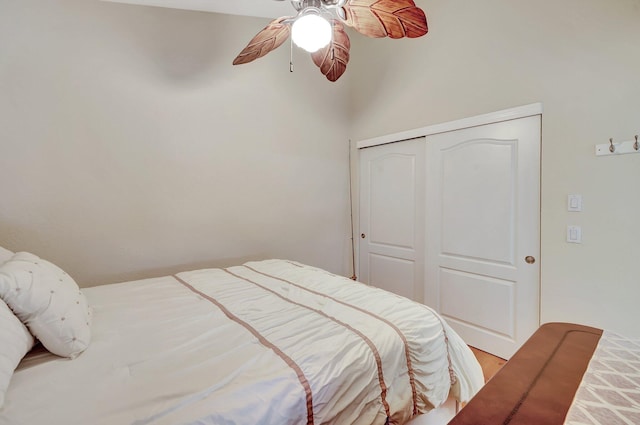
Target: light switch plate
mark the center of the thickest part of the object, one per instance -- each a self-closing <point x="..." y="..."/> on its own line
<point x="574" y="203"/>
<point x="574" y="234"/>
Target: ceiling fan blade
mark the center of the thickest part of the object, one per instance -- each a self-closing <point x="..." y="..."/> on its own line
<point x="332" y="59"/>
<point x="270" y="38"/>
<point x="386" y="18"/>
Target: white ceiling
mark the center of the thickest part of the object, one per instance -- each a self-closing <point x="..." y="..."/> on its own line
<point x="259" y="8"/>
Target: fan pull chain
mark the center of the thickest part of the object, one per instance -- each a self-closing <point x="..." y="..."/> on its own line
<point x="290" y="54"/>
<point x="333" y="46"/>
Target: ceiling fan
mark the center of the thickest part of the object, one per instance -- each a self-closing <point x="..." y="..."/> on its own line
<point x="318" y="28"/>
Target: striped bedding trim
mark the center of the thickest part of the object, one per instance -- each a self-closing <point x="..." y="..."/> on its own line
<point x="452" y="375"/>
<point x="288" y="360"/>
<point x="411" y="372"/>
<point x="453" y="379"/>
<point x="374" y="350"/>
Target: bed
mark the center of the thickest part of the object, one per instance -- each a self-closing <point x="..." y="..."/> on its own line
<point x="268" y="342"/>
<point x="564" y="374"/>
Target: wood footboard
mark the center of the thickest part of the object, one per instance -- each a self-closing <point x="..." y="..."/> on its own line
<point x="537" y="385"/>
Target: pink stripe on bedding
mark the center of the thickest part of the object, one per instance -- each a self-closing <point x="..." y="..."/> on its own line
<point x="452" y="375"/>
<point x="362" y="310"/>
<point x="288" y="360"/>
<point x="374" y="350"/>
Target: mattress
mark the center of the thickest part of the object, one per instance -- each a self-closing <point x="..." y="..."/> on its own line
<point x="270" y="342"/>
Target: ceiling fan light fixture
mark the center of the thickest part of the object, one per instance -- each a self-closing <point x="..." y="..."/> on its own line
<point x="310" y="31"/>
<point x="318" y="28"/>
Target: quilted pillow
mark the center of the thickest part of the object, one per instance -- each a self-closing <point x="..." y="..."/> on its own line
<point x="15" y="342"/>
<point x="48" y="301"/>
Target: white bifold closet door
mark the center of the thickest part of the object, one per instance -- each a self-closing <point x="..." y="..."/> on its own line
<point x="459" y="227"/>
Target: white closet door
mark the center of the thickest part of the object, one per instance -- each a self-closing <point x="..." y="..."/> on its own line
<point x="483" y="232"/>
<point x="392" y="199"/>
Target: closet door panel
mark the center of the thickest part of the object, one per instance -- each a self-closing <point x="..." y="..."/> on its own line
<point x="483" y="230"/>
<point x="489" y="199"/>
<point x="395" y="275"/>
<point x="392" y="201"/>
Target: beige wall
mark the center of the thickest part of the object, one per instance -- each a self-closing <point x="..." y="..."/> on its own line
<point x="130" y="147"/>
<point x="581" y="59"/>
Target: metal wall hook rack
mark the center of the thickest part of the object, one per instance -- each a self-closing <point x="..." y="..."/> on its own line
<point x="619" y="148"/>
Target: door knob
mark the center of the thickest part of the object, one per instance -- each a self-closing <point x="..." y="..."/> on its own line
<point x="529" y="259"/>
<point x="363" y="236"/>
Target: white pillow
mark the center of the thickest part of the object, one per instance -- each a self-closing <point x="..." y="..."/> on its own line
<point x="5" y="254"/>
<point x="15" y="342"/>
<point x="48" y="301"/>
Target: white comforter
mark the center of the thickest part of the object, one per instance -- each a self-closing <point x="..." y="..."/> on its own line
<point x="271" y="342"/>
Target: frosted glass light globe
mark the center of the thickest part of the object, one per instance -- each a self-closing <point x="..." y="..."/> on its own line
<point x="311" y="32"/>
